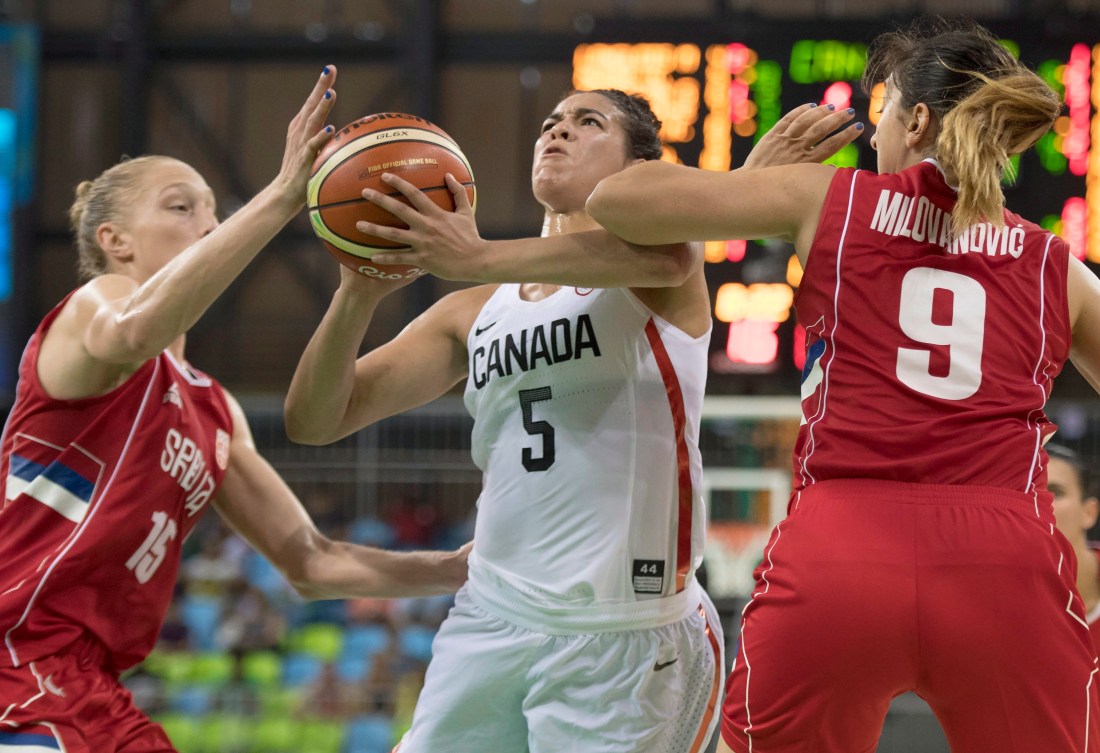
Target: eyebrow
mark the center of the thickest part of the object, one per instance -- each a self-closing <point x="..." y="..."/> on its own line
<point x="576" y="112"/>
<point x="208" y="193"/>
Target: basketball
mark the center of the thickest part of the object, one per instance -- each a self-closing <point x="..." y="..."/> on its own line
<point x="355" y="158"/>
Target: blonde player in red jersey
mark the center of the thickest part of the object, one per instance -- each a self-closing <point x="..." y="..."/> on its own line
<point x="919" y="553"/>
<point x="1076" y="509"/>
<point x="116" y="445"/>
<point x="582" y="626"/>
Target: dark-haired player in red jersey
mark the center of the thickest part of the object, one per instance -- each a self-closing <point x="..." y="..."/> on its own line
<point x="919" y="553"/>
<point x="116" y="445"/>
<point x="1076" y="508"/>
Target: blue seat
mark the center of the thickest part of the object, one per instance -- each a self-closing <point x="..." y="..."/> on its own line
<point x="369" y="734"/>
<point x="353" y="668"/>
<point x="365" y="640"/>
<point x="300" y="669"/>
<point x="190" y="700"/>
<point x="416" y="642"/>
<point x="201" y="614"/>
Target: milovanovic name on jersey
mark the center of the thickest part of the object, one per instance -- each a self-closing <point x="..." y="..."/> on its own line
<point x="918" y="218"/>
<point x="560" y="340"/>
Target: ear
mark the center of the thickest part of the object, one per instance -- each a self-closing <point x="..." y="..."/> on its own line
<point x="1090" y="510"/>
<point x="920" y="131"/>
<point x="115" y="242"/>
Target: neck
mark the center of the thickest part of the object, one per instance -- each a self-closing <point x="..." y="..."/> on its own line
<point x="561" y="223"/>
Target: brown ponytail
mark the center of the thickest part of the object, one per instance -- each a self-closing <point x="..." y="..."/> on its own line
<point x="1003" y="117"/>
<point x="988" y="105"/>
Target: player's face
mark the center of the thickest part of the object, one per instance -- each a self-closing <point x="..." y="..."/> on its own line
<point x="581" y="143"/>
<point x="1073" y="514"/>
<point x="889" y="139"/>
<point x="173" y="209"/>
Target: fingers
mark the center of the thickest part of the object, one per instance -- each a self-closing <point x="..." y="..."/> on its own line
<point x="820" y="127"/>
<point x="837" y="141"/>
<point x="387" y="232"/>
<point x="397" y="257"/>
<point x="458" y="191"/>
<point x="416" y="197"/>
<point x="785" y="122"/>
<point x="320" y="89"/>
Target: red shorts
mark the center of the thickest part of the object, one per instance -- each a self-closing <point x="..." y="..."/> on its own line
<point x="869" y="589"/>
<point x="70" y="703"/>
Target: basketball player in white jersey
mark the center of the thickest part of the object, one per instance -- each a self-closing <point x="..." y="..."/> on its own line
<point x="582" y="626"/>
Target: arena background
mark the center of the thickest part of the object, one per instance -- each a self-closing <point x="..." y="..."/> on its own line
<point x="242" y="664"/>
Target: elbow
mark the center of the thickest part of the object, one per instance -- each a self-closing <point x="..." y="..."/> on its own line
<point x="304" y="576"/>
<point x="300" y="430"/>
<point x="607" y="206"/>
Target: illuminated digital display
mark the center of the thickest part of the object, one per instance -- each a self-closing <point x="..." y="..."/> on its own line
<point x="18" y="87"/>
<point x="717" y="99"/>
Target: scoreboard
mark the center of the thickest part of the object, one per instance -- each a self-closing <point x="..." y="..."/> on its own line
<point x="717" y="98"/>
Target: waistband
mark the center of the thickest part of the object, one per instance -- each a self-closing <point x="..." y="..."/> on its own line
<point x="500" y="599"/>
<point x="1037" y="502"/>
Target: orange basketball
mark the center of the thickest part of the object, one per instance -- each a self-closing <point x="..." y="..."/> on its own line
<point x="355" y="158"/>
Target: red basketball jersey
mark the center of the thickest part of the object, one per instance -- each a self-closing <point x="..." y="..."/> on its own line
<point x="928" y="360"/>
<point x="1093" y="617"/>
<point x="99" y="494"/>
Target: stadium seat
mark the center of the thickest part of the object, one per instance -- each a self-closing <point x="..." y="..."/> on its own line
<point x="365" y="640"/>
<point x="300" y="669"/>
<point x="190" y="700"/>
<point x="353" y="668"/>
<point x="212" y="669"/>
<point x="181" y="730"/>
<point x="321" y="640"/>
<point x="224" y="733"/>
<point x="261" y="669"/>
<point x="276" y="734"/>
<point x="321" y="736"/>
<point x="170" y="666"/>
<point x="416" y="642"/>
<point x="201" y="615"/>
<point x="369" y="734"/>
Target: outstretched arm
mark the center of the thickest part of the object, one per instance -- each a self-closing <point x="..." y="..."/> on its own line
<point x="257" y="504"/>
<point x="136" y="324"/>
<point x="448" y="243"/>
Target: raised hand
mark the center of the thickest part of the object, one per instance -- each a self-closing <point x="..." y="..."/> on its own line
<point x="802" y="135"/>
<point x="305" y="136"/>
<point x="447" y="244"/>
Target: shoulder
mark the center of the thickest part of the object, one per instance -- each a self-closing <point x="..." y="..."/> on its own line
<point x="456" y="311"/>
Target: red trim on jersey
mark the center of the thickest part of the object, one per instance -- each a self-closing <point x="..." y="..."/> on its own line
<point x="683" y="460"/>
<point x="712" y="702"/>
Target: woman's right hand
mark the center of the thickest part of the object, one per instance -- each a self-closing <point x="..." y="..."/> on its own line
<point x="305" y="136"/>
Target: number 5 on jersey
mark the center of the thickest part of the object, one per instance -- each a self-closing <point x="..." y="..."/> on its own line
<point x="536" y="428"/>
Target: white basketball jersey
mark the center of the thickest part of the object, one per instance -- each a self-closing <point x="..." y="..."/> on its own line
<point x="586" y="411"/>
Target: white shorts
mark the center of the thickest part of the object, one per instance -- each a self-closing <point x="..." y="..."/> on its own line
<point x="495" y="686"/>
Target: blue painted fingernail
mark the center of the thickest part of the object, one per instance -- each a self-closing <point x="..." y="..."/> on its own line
<point x="851" y="111"/>
<point x="831" y="107"/>
<point x="813" y="104"/>
<point x="328" y="95"/>
<point x="324" y="71"/>
<point x="859" y="126"/>
<point x="328" y="129"/>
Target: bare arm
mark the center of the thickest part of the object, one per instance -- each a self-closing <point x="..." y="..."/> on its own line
<point x="334" y="394"/>
<point x="1084" y="306"/>
<point x="256" y="503"/>
<point x="658" y="202"/>
<point x="448" y="245"/>
<point x="113" y="324"/>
